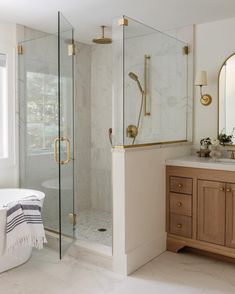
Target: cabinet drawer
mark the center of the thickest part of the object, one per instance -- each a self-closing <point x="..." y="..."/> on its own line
<point x="181" y="185"/>
<point x="181" y="204"/>
<point x="181" y="225"/>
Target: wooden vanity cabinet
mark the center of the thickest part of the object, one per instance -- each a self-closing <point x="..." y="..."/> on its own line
<point x="211" y="212"/>
<point x="200" y="210"/>
<point x="230" y="215"/>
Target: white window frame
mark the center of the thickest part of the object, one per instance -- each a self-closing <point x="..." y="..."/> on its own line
<point x="9" y="111"/>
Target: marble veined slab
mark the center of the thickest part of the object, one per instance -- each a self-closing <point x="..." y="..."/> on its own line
<point x="201" y="162"/>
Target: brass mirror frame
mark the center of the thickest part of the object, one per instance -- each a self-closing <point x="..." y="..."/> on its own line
<point x="218" y="88"/>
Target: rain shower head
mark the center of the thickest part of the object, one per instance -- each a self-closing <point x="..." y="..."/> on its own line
<point x="102" y="40"/>
<point x="134" y="77"/>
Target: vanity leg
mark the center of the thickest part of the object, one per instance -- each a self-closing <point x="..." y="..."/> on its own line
<point x="174" y="245"/>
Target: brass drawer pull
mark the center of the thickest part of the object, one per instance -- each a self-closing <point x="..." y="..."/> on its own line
<point x="221" y="189"/>
<point x="179" y="204"/>
<point x="180" y="185"/>
<point x="179" y="226"/>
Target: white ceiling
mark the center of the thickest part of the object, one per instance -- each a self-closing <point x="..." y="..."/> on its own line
<point x="87" y="15"/>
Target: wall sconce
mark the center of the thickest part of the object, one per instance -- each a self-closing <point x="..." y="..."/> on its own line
<point x="201" y="80"/>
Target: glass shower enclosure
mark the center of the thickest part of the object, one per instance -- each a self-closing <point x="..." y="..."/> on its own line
<point x="151" y="86"/>
<point x="46" y="103"/>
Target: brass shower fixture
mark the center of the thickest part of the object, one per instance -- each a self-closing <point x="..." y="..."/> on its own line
<point x="132" y="131"/>
<point x="146" y="59"/>
<point x="102" y="40"/>
<point x="135" y="78"/>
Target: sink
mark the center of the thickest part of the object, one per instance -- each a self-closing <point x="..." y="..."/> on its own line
<point x="226" y="160"/>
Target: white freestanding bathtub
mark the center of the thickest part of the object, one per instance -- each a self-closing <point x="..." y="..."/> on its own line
<point x="22" y="254"/>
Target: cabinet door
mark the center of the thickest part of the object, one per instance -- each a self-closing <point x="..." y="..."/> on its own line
<point x="230" y="215"/>
<point x="211" y="212"/>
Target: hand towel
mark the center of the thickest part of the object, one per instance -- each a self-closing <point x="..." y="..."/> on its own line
<point x="24" y="225"/>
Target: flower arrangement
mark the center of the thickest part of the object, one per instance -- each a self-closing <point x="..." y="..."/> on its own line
<point x="225" y="139"/>
<point x="205" y="143"/>
<point x="212" y="146"/>
<point x="204" y="147"/>
<point x="215" y="142"/>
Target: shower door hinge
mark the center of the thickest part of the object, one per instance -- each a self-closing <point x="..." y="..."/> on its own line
<point x="20" y="49"/>
<point x="185" y="50"/>
<point x="72" y="218"/>
<point x="123" y="22"/>
<point x="71" y="49"/>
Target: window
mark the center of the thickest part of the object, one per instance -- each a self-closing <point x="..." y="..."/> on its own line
<point x="42" y="111"/>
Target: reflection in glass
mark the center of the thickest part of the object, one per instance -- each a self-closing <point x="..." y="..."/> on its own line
<point x="227" y="97"/>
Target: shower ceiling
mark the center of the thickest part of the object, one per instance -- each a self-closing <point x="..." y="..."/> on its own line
<point x="87" y="15"/>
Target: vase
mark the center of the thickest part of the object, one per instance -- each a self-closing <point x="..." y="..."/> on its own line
<point x="215" y="153"/>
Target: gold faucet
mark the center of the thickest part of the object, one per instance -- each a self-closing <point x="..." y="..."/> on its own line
<point x="232" y="156"/>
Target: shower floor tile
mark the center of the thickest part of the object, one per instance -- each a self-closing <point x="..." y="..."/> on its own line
<point x="89" y="222"/>
<point x="87" y="228"/>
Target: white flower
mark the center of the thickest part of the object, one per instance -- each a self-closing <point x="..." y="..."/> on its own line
<point x="215" y="142"/>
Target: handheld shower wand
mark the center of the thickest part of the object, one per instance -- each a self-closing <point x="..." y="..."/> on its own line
<point x="134" y="77"/>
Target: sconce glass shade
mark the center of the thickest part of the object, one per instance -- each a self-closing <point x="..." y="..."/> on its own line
<point x="201" y="78"/>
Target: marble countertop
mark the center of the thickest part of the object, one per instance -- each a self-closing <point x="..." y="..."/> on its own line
<point x="202" y="162"/>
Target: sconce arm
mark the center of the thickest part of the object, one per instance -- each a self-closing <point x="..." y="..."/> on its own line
<point x="206" y="99"/>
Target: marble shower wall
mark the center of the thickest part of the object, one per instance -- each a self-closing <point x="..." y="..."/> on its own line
<point x="167" y="98"/>
<point x="82" y="126"/>
<point x="101" y="121"/>
<point x="93" y="118"/>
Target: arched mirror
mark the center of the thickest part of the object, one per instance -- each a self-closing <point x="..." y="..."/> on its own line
<point x="226" y="102"/>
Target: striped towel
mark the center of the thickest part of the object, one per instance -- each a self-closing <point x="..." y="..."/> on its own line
<point x="24" y="225"/>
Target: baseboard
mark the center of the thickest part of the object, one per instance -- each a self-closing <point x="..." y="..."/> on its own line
<point x="131" y="261"/>
<point x="144" y="253"/>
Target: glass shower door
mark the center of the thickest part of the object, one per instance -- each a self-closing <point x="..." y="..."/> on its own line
<point x="38" y="123"/>
<point x="46" y="84"/>
<point x="64" y="151"/>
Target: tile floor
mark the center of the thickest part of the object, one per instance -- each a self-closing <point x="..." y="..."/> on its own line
<point x="88" y="223"/>
<point x="185" y="273"/>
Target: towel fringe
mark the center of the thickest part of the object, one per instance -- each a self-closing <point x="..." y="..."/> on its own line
<point x="27" y="241"/>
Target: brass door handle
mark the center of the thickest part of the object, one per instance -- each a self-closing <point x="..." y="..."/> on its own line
<point x="228" y="190"/>
<point x="58" y="140"/>
<point x="68" y="150"/>
<point x="221" y="189"/>
<point x="179" y="226"/>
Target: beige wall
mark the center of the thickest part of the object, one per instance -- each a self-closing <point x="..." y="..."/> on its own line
<point x="214" y="43"/>
<point x="139" y="204"/>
